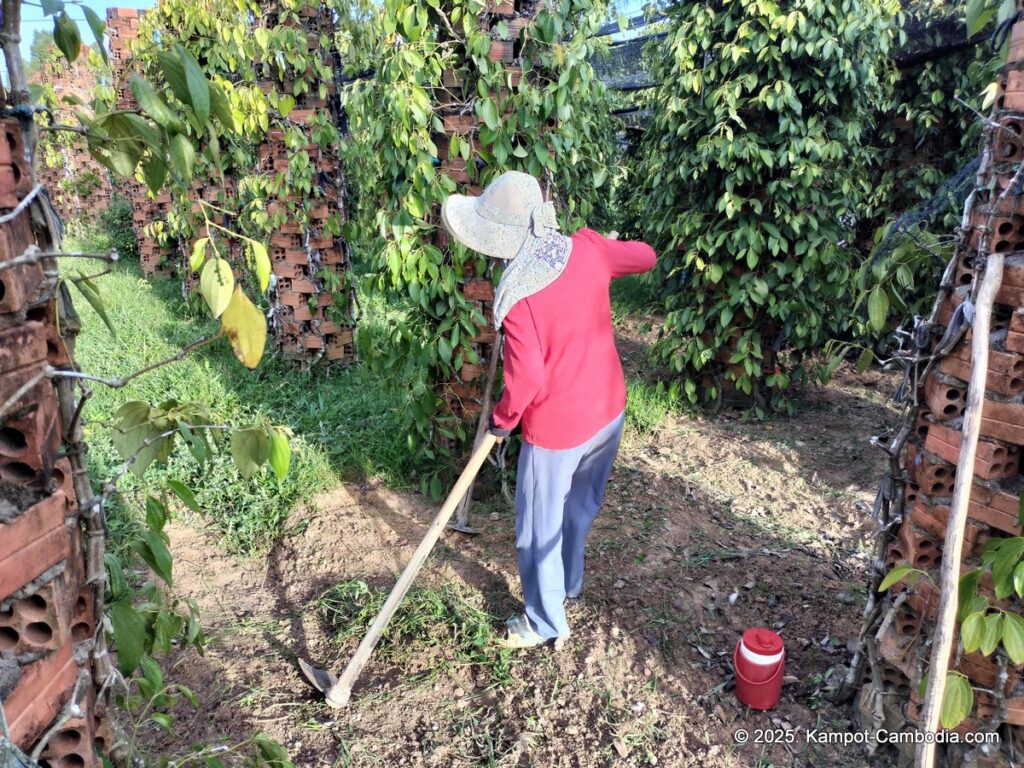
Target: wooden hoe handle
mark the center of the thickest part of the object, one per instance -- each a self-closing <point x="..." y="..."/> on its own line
<point x="340" y="692"/>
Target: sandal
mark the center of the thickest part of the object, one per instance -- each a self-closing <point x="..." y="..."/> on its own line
<point x="519" y="634"/>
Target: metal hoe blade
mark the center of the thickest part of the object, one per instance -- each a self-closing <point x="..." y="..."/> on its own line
<point x="321" y="679"/>
<point x="461" y="527"/>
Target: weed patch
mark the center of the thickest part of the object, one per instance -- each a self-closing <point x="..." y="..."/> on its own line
<point x="443" y="618"/>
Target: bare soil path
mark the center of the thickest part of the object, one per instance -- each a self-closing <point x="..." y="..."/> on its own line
<point x="710" y="526"/>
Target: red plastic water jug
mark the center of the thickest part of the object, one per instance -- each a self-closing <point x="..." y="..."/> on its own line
<point x="759" y="659"/>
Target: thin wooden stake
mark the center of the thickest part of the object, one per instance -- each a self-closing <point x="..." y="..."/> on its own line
<point x="942" y="643"/>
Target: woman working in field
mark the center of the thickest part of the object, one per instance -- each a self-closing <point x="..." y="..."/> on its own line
<point x="563" y="382"/>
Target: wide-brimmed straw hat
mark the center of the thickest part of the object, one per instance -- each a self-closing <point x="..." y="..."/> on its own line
<point x="511" y="221"/>
<point x="509" y="214"/>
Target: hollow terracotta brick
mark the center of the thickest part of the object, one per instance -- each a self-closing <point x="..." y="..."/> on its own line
<point x="1013" y="95"/>
<point x="33" y="542"/>
<point x="73" y="745"/>
<point x="1005" y="370"/>
<point x="56" y="352"/>
<point x="40" y="622"/>
<point x="484" y="335"/>
<point x="22" y="346"/>
<point x="993" y="460"/>
<point x="83" y="620"/>
<point x="933" y="519"/>
<point x="919" y="549"/>
<point x="1003" y="421"/>
<point x="934" y="477"/>
<point x="923" y="599"/>
<point x="20" y="164"/>
<point x="18" y="285"/>
<point x="44" y="687"/>
<point x="1013" y="270"/>
<point x="458" y="123"/>
<point x="63" y="478"/>
<point x="33" y="437"/>
<point x="1015" y="334"/>
<point x="501" y="50"/>
<point x="896" y="654"/>
<point x="946" y="400"/>
<point x="471" y="372"/>
<point x="1007" y="146"/>
<point x="995" y="507"/>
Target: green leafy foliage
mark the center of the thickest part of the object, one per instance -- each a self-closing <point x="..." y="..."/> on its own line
<point x="957" y="700"/>
<point x="905" y="573"/>
<point x="749" y="176"/>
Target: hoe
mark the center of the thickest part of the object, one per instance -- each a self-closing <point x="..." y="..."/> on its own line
<point x="339" y="689"/>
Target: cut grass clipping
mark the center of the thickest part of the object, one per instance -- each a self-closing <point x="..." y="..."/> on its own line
<point x="434" y="628"/>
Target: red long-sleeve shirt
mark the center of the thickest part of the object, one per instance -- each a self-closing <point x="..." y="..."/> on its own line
<point x="563" y="376"/>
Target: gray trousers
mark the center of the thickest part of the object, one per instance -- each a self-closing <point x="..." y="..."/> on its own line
<point x="558" y="494"/>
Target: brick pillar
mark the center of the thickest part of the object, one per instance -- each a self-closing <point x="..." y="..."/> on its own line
<point x="310" y="262"/>
<point x="464" y="395"/>
<point x="156" y="255"/>
<point x="78" y="185"/>
<point x="929" y="460"/>
<point x="46" y="610"/>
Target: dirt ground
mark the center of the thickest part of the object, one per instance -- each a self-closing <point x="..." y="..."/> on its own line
<point x="710" y="526"/>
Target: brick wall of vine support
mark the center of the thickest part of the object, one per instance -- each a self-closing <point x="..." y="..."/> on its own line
<point x="50" y="577"/>
<point x="913" y="504"/>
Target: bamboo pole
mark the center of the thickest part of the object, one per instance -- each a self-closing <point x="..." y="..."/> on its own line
<point x="942" y="643"/>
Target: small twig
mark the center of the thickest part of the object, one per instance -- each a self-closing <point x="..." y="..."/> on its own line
<point x="20" y="393"/>
<point x="117" y="383"/>
<point x="76" y="279"/>
<point x="9" y="217"/>
<point x="73" y="709"/>
<point x="33" y="255"/>
<point x="77" y="417"/>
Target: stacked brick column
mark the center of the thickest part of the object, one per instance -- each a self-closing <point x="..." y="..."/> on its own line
<point x="46" y="611"/>
<point x="930" y="458"/>
<point x="156" y="254"/>
<point x="464" y="395"/>
<point x="310" y="263"/>
<point x="78" y="185"/>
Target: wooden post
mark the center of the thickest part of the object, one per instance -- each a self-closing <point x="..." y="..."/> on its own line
<point x="942" y="642"/>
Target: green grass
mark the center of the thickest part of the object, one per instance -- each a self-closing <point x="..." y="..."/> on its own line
<point x="630" y="294"/>
<point x="345" y="420"/>
<point x="647" y="405"/>
<point x="444" y="618"/>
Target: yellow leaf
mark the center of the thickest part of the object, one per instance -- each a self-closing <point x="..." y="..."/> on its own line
<point x="246" y="327"/>
<point x="215" y="284"/>
<point x="259" y="255"/>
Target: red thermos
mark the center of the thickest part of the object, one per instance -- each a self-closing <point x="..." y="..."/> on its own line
<point x="759" y="659"/>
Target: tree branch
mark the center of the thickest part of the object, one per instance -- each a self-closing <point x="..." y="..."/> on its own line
<point x="25" y="202"/>
<point x="117" y="383"/>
